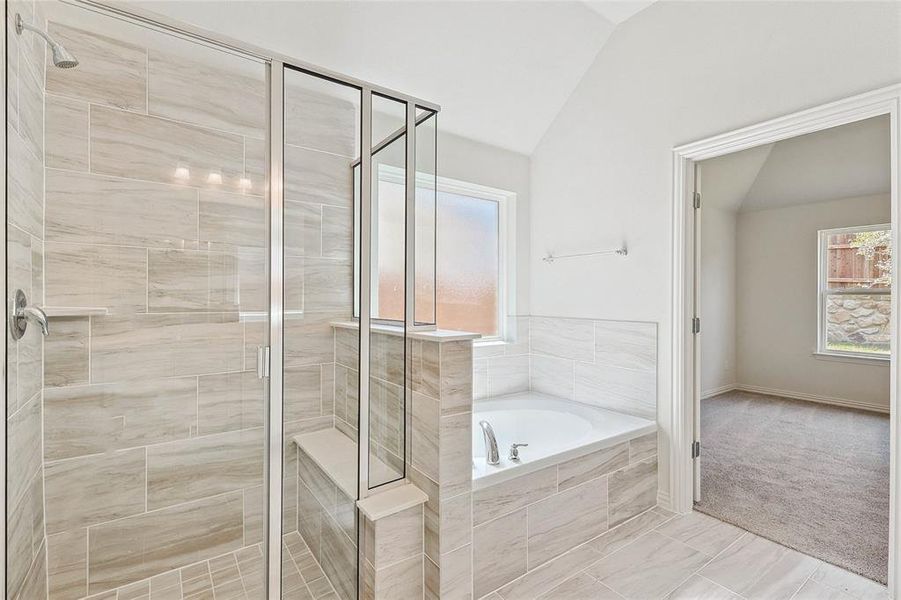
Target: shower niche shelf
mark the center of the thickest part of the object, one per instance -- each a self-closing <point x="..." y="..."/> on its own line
<point x="60" y="312"/>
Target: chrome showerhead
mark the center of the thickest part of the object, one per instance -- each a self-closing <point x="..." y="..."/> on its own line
<point x="62" y="58"/>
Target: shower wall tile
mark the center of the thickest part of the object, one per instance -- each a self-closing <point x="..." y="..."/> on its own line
<point x="23" y="442"/>
<point x="141" y="147"/>
<point x="292" y="295"/>
<point x="66" y="123"/>
<point x="66" y="352"/>
<point x="456" y="574"/>
<point x="255" y="166"/>
<point x="165" y="345"/>
<point x="232" y="219"/>
<point x="31" y="112"/>
<point x="337" y="232"/>
<point x="626" y="345"/>
<point x="303" y="230"/>
<point x="623" y="390"/>
<point x="328" y="286"/>
<point x="456" y="522"/>
<point x="253" y="515"/>
<point x="85" y="491"/>
<point x="302" y="397"/>
<point x="90" y="419"/>
<point x="565" y="338"/>
<point x="192" y="469"/>
<point x="229" y="402"/>
<point x="318" y="177"/>
<point x="35" y="583"/>
<point x="197" y="92"/>
<point x="110" y="71"/>
<point x="25" y="533"/>
<point x="137" y="547"/>
<point x="25" y="202"/>
<point x="67" y="572"/>
<point x="134" y="213"/>
<point x="321" y="120"/>
<point x="309" y="339"/>
<point x="192" y="280"/>
<point x="97" y="276"/>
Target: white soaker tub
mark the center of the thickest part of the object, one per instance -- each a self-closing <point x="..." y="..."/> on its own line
<point x="555" y="429"/>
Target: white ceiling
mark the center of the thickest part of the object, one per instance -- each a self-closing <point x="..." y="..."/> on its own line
<point x="842" y="162"/>
<point x="618" y="11"/>
<point x="500" y="70"/>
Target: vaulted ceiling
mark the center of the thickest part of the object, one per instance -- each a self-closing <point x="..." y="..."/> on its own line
<point x="500" y="70"/>
<point x="842" y="162"/>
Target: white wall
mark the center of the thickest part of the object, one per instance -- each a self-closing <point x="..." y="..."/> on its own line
<point x="777" y="303"/>
<point x="717" y="301"/>
<point x="674" y="73"/>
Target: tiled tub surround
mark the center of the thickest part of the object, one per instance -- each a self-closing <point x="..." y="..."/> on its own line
<point x="522" y="523"/>
<point x="26" y="541"/>
<point x="611" y="364"/>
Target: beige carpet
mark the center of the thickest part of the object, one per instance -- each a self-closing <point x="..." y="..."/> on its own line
<point x="809" y="476"/>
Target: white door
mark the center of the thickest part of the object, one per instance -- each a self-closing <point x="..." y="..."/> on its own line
<point x="696" y="329"/>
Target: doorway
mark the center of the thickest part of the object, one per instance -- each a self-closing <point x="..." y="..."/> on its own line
<point x="686" y="371"/>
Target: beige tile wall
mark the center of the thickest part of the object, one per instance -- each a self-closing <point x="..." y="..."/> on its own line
<point x="26" y="541"/>
<point x="153" y="438"/>
<point x="440" y="461"/>
<point x="522" y="524"/>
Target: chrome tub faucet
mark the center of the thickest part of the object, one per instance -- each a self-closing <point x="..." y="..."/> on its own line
<point x="492" y="456"/>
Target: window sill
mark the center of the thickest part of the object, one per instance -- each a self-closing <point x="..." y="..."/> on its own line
<point x="851" y="358"/>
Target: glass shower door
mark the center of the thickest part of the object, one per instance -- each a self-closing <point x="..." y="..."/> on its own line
<point x="321" y="400"/>
<point x="136" y="222"/>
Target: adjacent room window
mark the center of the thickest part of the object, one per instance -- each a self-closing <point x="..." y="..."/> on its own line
<point x="855" y="282"/>
<point x="475" y="229"/>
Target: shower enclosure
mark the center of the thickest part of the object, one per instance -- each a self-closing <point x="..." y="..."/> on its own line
<point x="231" y="249"/>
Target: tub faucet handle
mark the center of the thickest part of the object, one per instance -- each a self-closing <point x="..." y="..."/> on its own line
<point x="514" y="451"/>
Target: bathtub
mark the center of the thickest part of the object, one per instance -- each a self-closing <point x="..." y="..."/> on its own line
<point x="556" y="430"/>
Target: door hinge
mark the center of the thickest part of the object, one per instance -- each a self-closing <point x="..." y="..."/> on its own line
<point x="262" y="361"/>
<point x="695" y="449"/>
<point x="697" y="199"/>
<point x="696" y="325"/>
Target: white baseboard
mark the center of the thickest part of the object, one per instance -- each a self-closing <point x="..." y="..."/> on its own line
<point x="717" y="391"/>
<point x="812" y="398"/>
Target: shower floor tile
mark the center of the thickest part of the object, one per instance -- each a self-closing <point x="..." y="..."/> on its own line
<point x="234" y="576"/>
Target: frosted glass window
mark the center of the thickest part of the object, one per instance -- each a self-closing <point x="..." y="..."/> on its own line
<point x="468" y="263"/>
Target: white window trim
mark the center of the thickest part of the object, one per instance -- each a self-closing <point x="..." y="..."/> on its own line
<point x="822" y="351"/>
<point x="506" y="202"/>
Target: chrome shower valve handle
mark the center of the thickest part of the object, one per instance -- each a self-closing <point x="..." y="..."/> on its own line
<point x="514" y="451"/>
<point x="21" y="314"/>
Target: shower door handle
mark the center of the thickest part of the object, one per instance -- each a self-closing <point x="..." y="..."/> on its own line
<point x="21" y="314"/>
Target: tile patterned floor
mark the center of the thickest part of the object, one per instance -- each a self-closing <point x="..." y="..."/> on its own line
<point x="234" y="576"/>
<point x="659" y="555"/>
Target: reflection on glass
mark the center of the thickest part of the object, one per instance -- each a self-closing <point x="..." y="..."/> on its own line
<point x="468" y="263"/>
<point x="426" y="205"/>
<point x="321" y="363"/>
<point x="387" y="352"/>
